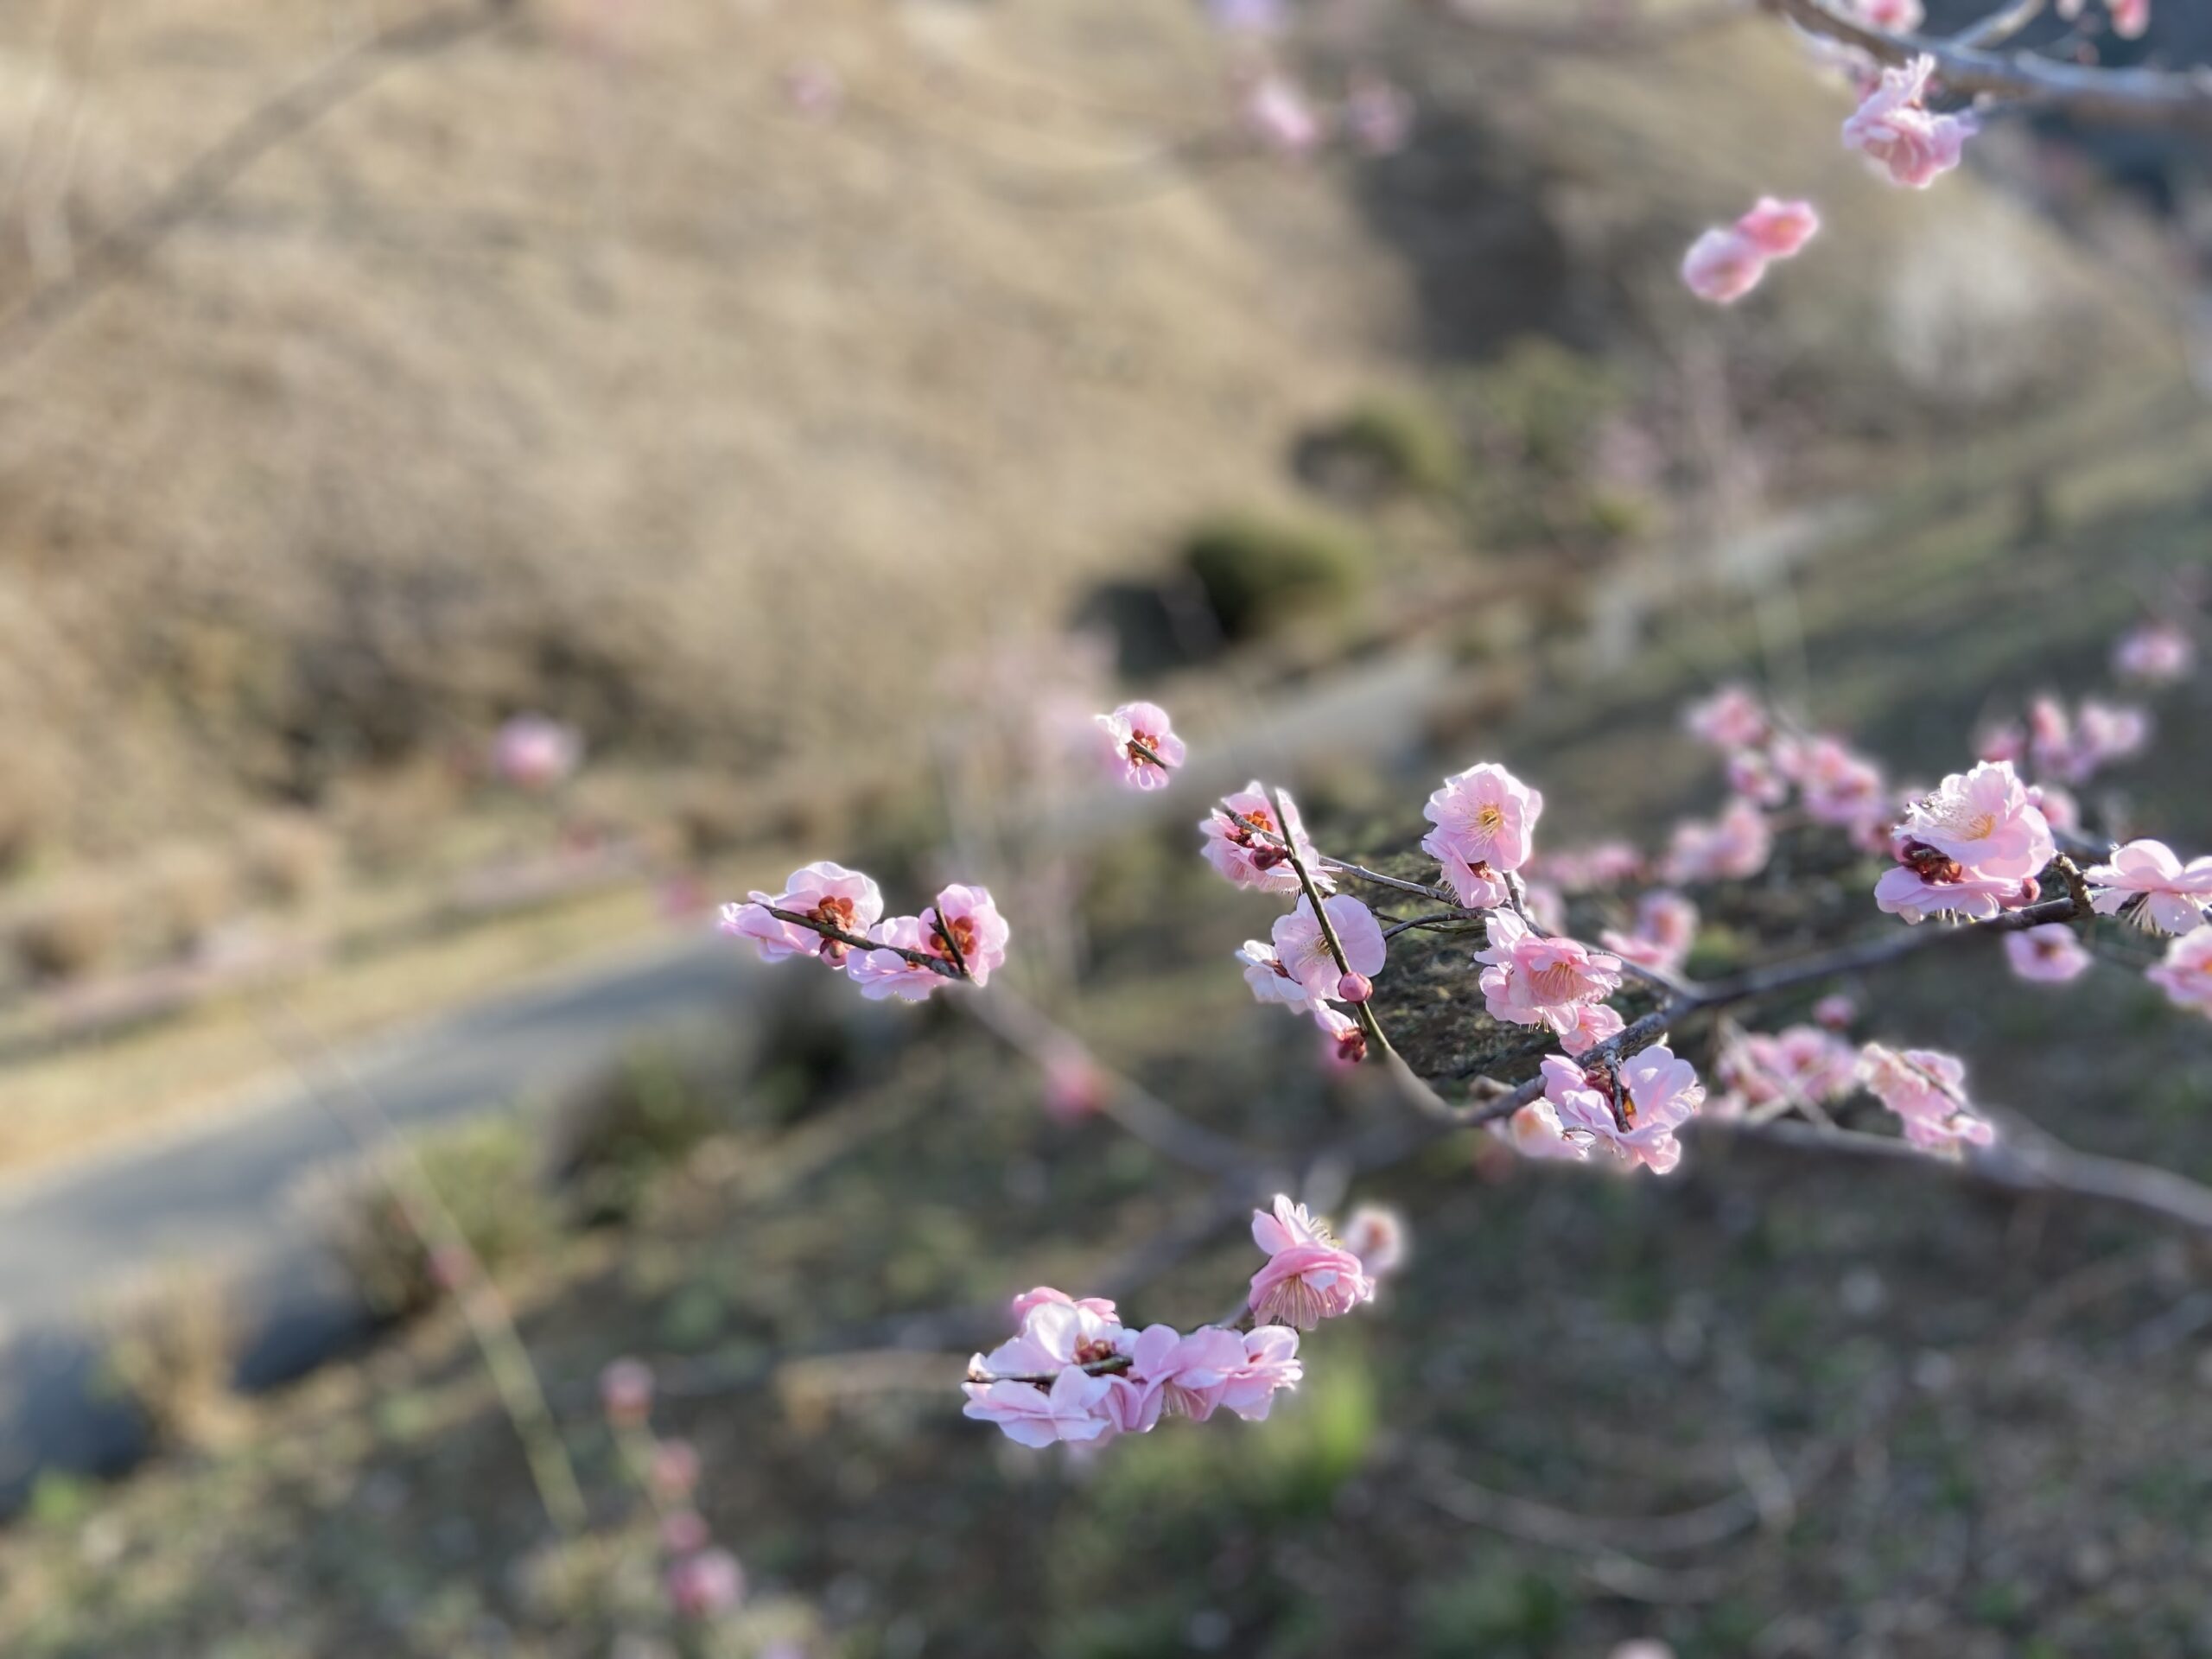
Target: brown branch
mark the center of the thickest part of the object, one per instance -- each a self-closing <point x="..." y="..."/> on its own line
<point x="2135" y="97"/>
<point x="920" y="958"/>
<point x="1361" y="1011"/>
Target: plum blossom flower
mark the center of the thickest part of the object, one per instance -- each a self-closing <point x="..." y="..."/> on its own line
<point x="1983" y="821"/>
<point x="1780" y="229"/>
<point x="1927" y="1091"/>
<point x="1099" y="1307"/>
<point x="1270" y="981"/>
<point x="1308" y="1276"/>
<point x="1271" y="1364"/>
<point x="1075" y="1407"/>
<point x="2007" y="739"/>
<point x="1259" y="860"/>
<point x="1579" y="869"/>
<point x="1074" y="1086"/>
<point x="1378" y="114"/>
<point x="2131" y="19"/>
<point x="1058" y="1339"/>
<point x="1485" y="822"/>
<point x="1140" y="747"/>
<point x="2106" y="732"/>
<point x="1732" y="718"/>
<point x="2157" y="654"/>
<point x="1897" y="131"/>
<point x="1345" y="1039"/>
<point x="1536" y="1131"/>
<point x="1535" y="979"/>
<point x="1733" y="848"/>
<point x="1302" y="948"/>
<point x="2049" y="954"/>
<point x="2185" y="976"/>
<point x="827" y="893"/>
<point x="1898" y="17"/>
<point x="1594" y="1023"/>
<point x="884" y="972"/>
<point x="1753" y="775"/>
<point x="1656" y="1095"/>
<point x="1799" y="1065"/>
<point x="1277" y="112"/>
<point x="1666" y="926"/>
<point x="1377" y="1237"/>
<point x="534" y="751"/>
<point x="1212" y="1369"/>
<point x="976" y="927"/>
<point x="1723" y="265"/>
<point x="705" y="1584"/>
<point x="2169" y="896"/>
<point x="1927" y="883"/>
<point x="1835" y="1011"/>
<point x="1839" y="786"/>
<point x="2059" y="808"/>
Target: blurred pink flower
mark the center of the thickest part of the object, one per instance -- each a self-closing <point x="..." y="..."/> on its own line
<point x="1377" y="1236"/>
<point x="2049" y="953"/>
<point x="1140" y="746"/>
<point x="1345" y="1039"/>
<point x="830" y="893"/>
<point x="1536" y="1131"/>
<point x="2106" y="732"/>
<point x="1835" y="1011"/>
<point x="2005" y="740"/>
<point x="2131" y="19"/>
<point x="706" y="1584"/>
<point x="1779" y="229"/>
<point x="1075" y="1087"/>
<point x="1731" y="719"/>
<point x="2171" y="895"/>
<point x="1897" y="131"/>
<point x="2185" y="976"/>
<point x="1594" y="1023"/>
<point x="1278" y="114"/>
<point x="1303" y="950"/>
<point x="1534" y="980"/>
<point x="2157" y="653"/>
<point x="1926" y="1091"/>
<point x="1309" y="1276"/>
<point x="1578" y="869"/>
<point x="1840" y="786"/>
<point x="1801" y="1063"/>
<point x="2059" y="808"/>
<point x="1899" y="16"/>
<point x="675" y="1469"/>
<point x="1723" y="265"/>
<point x="1733" y="848"/>
<point x="1666" y="927"/>
<point x="533" y="751"/>
<point x="1753" y="775"/>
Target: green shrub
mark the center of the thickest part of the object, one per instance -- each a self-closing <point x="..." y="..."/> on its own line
<point x="614" y="1132"/>
<point x="1546" y="403"/>
<point x="1386" y="444"/>
<point x="1259" y="571"/>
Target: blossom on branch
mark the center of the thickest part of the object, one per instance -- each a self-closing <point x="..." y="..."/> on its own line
<point x="1839" y="785"/>
<point x="1732" y="718"/>
<point x="1140" y="746"/>
<point x="1594" y="1023"/>
<point x="1270" y="981"/>
<point x="1897" y="17"/>
<point x="2050" y="955"/>
<point x="1733" y="848"/>
<point x="1896" y="130"/>
<point x="1927" y="1091"/>
<point x="1377" y="1237"/>
<point x="1666" y="927"/>
<point x="1726" y="263"/>
<point x="1308" y="1276"/>
<point x="1633" y="1111"/>
<point x="1303" y="953"/>
<point x="1534" y="980"/>
<point x="831" y="894"/>
<point x="2157" y="654"/>
<point x="2146" y="880"/>
<point x="1346" y="1038"/>
<point x="2185" y="976"/>
<point x="1984" y="821"/>
<point x="1801" y="1066"/>
<point x="1485" y="822"/>
<point x="1255" y="856"/>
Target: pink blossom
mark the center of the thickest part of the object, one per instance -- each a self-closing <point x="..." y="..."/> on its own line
<point x="532" y="751"/>
<point x="884" y="972"/>
<point x="1779" y="229"/>
<point x="1074" y="1086"/>
<point x="1140" y="747"/>
<point x="2050" y="738"/>
<point x="1927" y="1091"/>
<point x="1485" y="822"/>
<point x="675" y="1469"/>
<point x="1731" y="719"/>
<point x="2106" y="732"/>
<point x="1536" y="1131"/>
<point x="1657" y="1095"/>
<point x="1839" y="787"/>
<point x="1666" y="927"/>
<point x="1594" y="1023"/>
<point x="1345" y="1038"/>
<point x="1377" y="1237"/>
<point x="1378" y="114"/>
<point x="830" y="893"/>
<point x="2157" y="654"/>
<point x="1605" y="864"/>
<point x="1925" y="883"/>
<point x="1535" y="980"/>
<point x="1801" y="1063"/>
<point x="2186" y="973"/>
<point x="1271" y="1364"/>
<point x="1270" y="980"/>
<point x="1099" y="1307"/>
<point x="1309" y="1276"/>
<point x="1723" y="265"/>
<point x="1195" y="1376"/>
<point x="706" y="1584"/>
<point x="626" y="1391"/>
<point x="1251" y="860"/>
<point x="1983" y="821"/>
<point x="1733" y="848"/>
<point x="2059" y="808"/>
<point x="1277" y="112"/>
<point x="1753" y="775"/>
<point x="1897" y="131"/>
<point x="2005" y="740"/>
<point x="1545" y="906"/>
<point x="1075" y="1407"/>
<point x="2131" y="19"/>
<point x="2049" y="953"/>
<point x="1303" y="949"/>
<point x="1897" y="17"/>
<point x="1836" y="1012"/>
<point x="2171" y="895"/>
<point x="977" y="928"/>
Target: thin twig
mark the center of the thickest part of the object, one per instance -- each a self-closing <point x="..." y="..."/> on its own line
<point x="920" y="958"/>
<point x="1363" y="1013"/>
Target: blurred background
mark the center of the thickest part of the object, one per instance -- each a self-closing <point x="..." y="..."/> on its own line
<point x="481" y="484"/>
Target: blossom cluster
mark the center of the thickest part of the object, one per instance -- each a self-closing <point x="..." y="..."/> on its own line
<point x="702" y="1579"/>
<point x="1073" y="1372"/>
<point x="836" y="916"/>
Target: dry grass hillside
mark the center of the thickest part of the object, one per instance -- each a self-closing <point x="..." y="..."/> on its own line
<point x="573" y="367"/>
